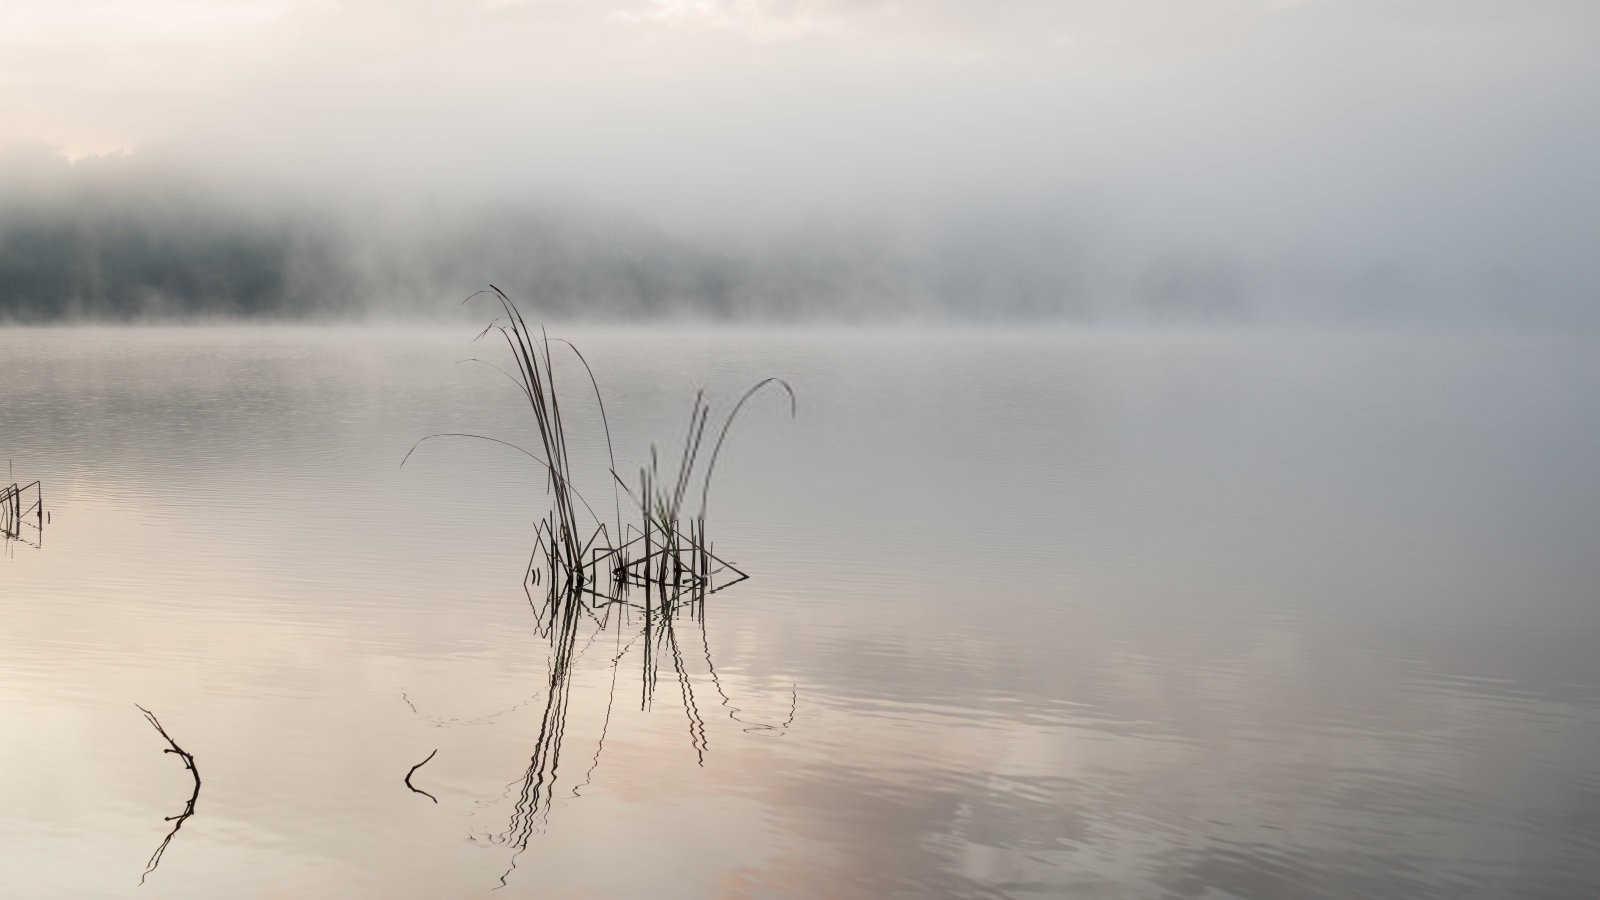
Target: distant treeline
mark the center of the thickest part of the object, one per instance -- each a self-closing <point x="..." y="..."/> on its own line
<point x="108" y="240"/>
<point x="119" y="238"/>
<point x="115" y="265"/>
<point x="92" y="258"/>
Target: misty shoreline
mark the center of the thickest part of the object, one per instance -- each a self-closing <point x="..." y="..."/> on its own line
<point x="129" y="238"/>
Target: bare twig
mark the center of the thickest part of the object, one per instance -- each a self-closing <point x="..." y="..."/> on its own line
<point x="188" y="809"/>
<point x="413" y="771"/>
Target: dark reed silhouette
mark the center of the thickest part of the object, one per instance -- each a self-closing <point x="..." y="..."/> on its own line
<point x="22" y="515"/>
<point x="188" y="807"/>
<point x="585" y="572"/>
<point x="667" y="552"/>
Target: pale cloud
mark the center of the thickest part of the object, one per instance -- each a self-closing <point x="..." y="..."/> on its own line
<point x="29" y="20"/>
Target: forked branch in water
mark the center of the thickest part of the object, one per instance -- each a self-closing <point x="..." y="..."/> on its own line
<point x="188" y="809"/>
<point x="413" y="771"/>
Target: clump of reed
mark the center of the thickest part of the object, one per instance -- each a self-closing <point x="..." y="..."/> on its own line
<point x="655" y="557"/>
<point x="580" y="560"/>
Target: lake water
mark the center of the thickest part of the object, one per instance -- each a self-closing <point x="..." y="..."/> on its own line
<point x="1248" y="614"/>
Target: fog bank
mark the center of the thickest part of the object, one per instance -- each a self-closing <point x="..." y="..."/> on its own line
<point x="1233" y="160"/>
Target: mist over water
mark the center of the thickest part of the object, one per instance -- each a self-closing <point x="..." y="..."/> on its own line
<point x="1260" y="614"/>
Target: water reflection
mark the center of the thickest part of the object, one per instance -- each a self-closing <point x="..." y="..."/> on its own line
<point x="488" y="718"/>
<point x="647" y="599"/>
<point x="1153" y="618"/>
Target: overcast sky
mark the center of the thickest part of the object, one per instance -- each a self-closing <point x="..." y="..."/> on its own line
<point x="1311" y="130"/>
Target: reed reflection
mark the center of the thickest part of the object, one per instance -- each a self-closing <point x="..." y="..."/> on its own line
<point x="637" y="611"/>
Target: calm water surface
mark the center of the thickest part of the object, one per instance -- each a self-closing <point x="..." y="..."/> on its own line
<point x="1187" y="615"/>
